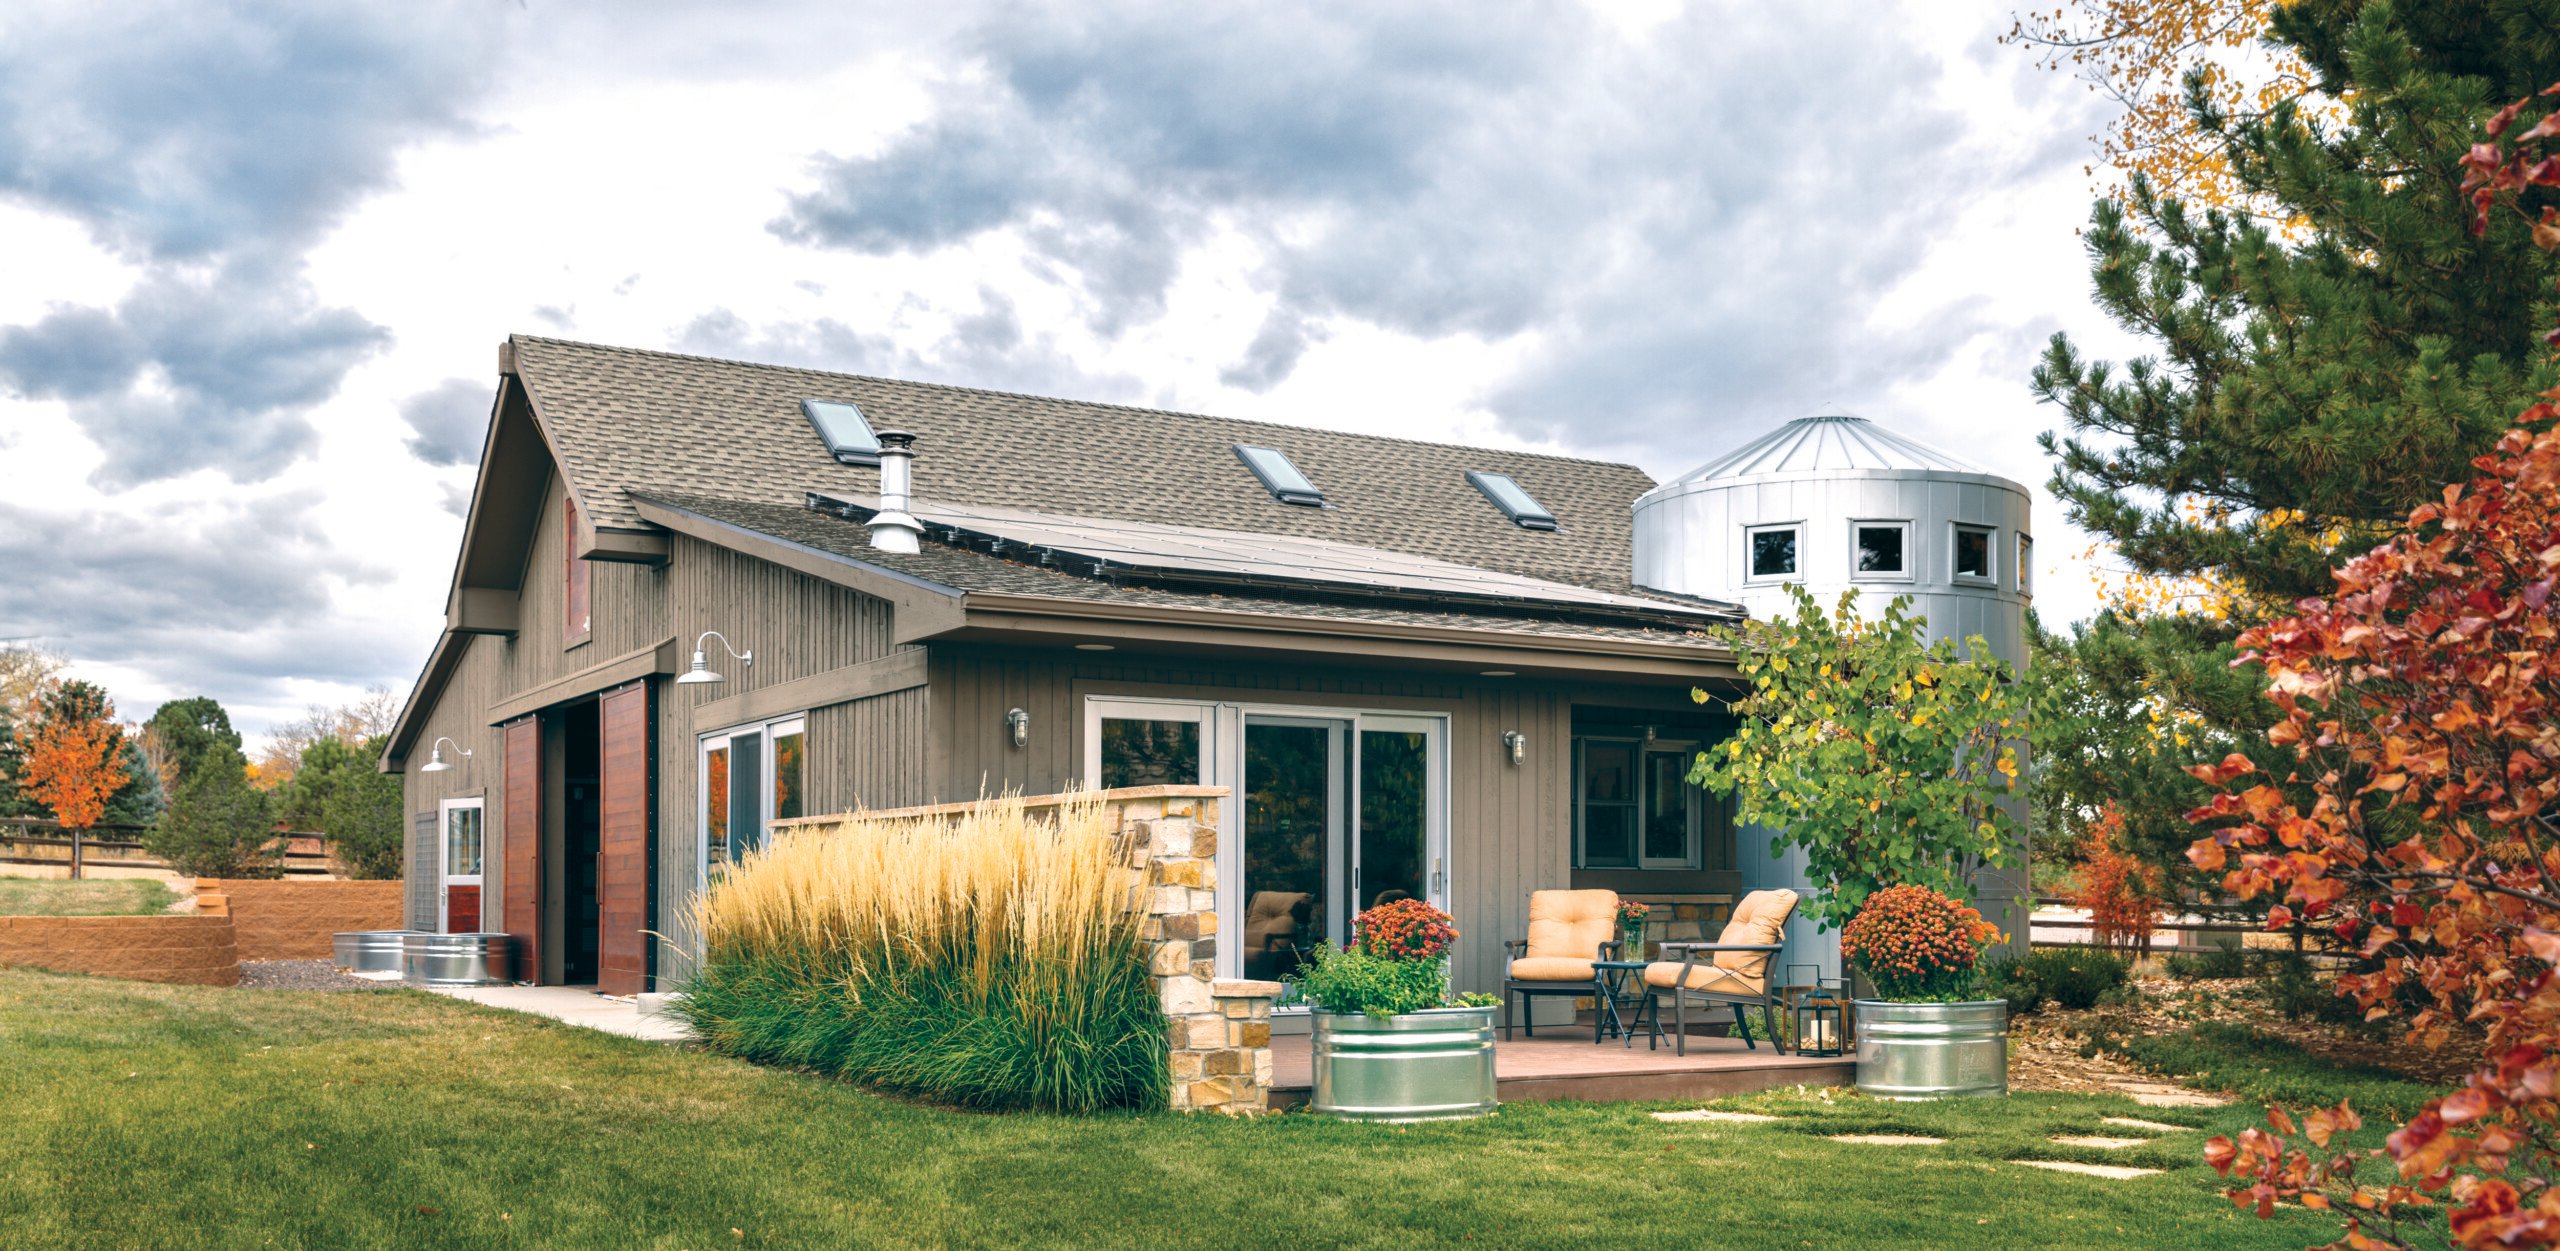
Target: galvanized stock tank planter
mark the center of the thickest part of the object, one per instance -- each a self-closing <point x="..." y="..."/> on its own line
<point x="455" y="959"/>
<point x="370" y="951"/>
<point x="1435" y="1065"/>
<point x="1933" y="1050"/>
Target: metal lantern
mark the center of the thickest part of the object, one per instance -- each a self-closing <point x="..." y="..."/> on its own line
<point x="1822" y="1019"/>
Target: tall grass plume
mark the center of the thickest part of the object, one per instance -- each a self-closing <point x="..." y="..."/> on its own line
<point x="987" y="959"/>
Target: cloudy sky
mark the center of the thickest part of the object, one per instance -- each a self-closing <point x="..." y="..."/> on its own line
<point x="259" y="257"/>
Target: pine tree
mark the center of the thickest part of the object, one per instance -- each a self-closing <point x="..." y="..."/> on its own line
<point x="362" y="812"/>
<point x="218" y="824"/>
<point x="2328" y="368"/>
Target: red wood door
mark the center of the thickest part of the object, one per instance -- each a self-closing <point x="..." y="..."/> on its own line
<point x="622" y="852"/>
<point x="520" y="901"/>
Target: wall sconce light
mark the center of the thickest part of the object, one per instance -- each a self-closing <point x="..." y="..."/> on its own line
<point x="1516" y="743"/>
<point x="1648" y="734"/>
<point x="1018" y="723"/>
<point x="435" y="755"/>
<point x="700" y="672"/>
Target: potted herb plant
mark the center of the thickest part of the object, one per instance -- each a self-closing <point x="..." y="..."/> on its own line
<point x="1924" y="1035"/>
<point x="1390" y="1043"/>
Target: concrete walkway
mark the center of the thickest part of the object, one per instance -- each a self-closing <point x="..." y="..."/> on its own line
<point x="576" y="1005"/>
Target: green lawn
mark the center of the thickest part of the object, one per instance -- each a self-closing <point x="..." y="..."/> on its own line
<point x="96" y="897"/>
<point x="147" y="1116"/>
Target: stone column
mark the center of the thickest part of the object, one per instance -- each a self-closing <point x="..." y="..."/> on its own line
<point x="1218" y="1031"/>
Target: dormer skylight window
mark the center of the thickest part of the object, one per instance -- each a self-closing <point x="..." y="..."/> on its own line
<point x="845" y="430"/>
<point x="1278" y="476"/>
<point x="1522" y="508"/>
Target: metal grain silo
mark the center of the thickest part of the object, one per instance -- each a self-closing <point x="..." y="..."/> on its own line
<point x="1838" y="503"/>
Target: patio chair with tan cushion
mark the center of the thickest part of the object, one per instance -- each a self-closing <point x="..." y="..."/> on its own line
<point x="1568" y="929"/>
<point x="1272" y="922"/>
<point x="1732" y="971"/>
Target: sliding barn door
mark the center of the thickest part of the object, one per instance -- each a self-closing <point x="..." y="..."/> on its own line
<point x="520" y="907"/>
<point x="622" y="861"/>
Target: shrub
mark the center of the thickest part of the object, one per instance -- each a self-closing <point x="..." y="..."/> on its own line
<point x="2005" y="976"/>
<point x="2221" y="962"/>
<point x="1917" y="945"/>
<point x="2121" y="893"/>
<point x="988" y="960"/>
<point x="2075" y="978"/>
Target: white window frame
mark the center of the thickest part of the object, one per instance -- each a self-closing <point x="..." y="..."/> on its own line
<point x="1751" y="532"/>
<point x="1222" y="764"/>
<point x="2026" y="563"/>
<point x="1686" y="749"/>
<point x="704" y="744"/>
<point x="1956" y="530"/>
<point x="1910" y="550"/>
<point x="446" y="878"/>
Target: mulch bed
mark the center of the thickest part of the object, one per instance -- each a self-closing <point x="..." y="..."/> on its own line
<point x="2044" y="1049"/>
<point x="298" y="975"/>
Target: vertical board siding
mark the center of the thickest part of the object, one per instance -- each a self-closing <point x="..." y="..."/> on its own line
<point x="622" y="858"/>
<point x="1509" y="827"/>
<point x="866" y="753"/>
<point x="520" y="913"/>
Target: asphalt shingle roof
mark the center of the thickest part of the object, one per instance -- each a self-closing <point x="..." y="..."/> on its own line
<point x="624" y="420"/>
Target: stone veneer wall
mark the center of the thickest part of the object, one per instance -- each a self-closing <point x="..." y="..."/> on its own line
<point x="188" y="950"/>
<point x="298" y="919"/>
<point x="1218" y="1030"/>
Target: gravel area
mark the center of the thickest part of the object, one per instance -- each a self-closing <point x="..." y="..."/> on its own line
<point x="298" y="975"/>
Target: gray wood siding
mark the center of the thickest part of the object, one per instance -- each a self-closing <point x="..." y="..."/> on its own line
<point x="1510" y="826"/>
<point x="866" y="753"/>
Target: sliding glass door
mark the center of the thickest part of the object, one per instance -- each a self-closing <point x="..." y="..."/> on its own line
<point x="1334" y="811"/>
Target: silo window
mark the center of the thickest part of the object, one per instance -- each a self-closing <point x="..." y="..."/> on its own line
<point x="1973" y="554"/>
<point x="2026" y="565"/>
<point x="1884" y="549"/>
<point x="1773" y="551"/>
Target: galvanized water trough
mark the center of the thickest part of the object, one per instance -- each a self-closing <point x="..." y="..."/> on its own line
<point x="1933" y="1050"/>
<point x="456" y="959"/>
<point x="1414" y="1066"/>
<point x="370" y="951"/>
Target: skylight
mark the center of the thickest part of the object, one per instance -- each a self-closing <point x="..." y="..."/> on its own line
<point x="1278" y="476"/>
<point x="847" y="433"/>
<point x="1522" y="508"/>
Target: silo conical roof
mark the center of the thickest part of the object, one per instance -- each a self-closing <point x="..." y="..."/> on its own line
<point x="1828" y="444"/>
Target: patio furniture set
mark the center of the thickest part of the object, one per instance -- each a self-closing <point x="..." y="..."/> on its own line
<point x="1573" y="951"/>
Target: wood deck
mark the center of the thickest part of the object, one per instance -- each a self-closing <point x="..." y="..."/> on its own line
<point x="1566" y="1064"/>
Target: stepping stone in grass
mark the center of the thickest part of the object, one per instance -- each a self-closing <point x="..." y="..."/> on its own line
<point x="1710" y="1114"/>
<point x="1890" y="1140"/>
<point x="2099" y="1141"/>
<point x="2112" y="1172"/>
<point x="2154" y="1095"/>
<point x="2135" y="1122"/>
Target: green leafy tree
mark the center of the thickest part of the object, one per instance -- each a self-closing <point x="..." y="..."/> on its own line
<point x="361" y="814"/>
<point x="2338" y="348"/>
<point x="302" y="801"/>
<point x="184" y="731"/>
<point x="218" y="825"/>
<point x="14" y="800"/>
<point x="1883" y="757"/>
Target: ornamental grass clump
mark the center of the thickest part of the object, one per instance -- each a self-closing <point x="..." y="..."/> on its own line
<point x="1397" y="962"/>
<point x="985" y="960"/>
<point x="1916" y="945"/>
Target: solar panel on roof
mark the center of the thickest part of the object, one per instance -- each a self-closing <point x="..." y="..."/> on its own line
<point x="1522" y="508"/>
<point x="1197" y="553"/>
<point x="1281" y="478"/>
<point x="846" y="431"/>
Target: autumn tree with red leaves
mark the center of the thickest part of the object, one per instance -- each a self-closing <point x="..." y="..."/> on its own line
<point x="72" y="756"/>
<point x="2421" y="704"/>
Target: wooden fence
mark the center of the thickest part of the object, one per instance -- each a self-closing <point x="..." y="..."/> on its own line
<point x="118" y="848"/>
<point x="2192" y="937"/>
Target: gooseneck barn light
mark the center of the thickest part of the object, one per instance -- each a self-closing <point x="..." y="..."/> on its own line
<point x="435" y="755"/>
<point x="701" y="672"/>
